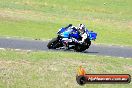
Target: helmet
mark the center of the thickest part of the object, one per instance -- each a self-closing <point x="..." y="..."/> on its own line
<point x="81" y="28"/>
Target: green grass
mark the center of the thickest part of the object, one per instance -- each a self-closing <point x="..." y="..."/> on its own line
<point x="23" y="69"/>
<point x="42" y="18"/>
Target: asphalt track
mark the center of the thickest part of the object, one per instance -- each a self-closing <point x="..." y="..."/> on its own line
<point x="38" y="45"/>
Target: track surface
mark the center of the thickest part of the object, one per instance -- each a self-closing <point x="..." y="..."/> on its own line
<point x="24" y="44"/>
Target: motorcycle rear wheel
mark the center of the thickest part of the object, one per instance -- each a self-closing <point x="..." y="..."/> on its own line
<point x="82" y="47"/>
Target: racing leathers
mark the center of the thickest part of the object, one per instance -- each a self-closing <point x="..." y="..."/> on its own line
<point x="73" y="33"/>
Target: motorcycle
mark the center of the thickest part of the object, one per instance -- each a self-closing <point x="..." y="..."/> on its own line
<point x="66" y="33"/>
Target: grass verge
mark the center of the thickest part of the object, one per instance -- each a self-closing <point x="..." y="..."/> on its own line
<point x="23" y="69"/>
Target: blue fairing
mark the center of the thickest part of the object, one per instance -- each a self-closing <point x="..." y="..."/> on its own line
<point x="92" y="35"/>
<point x="61" y="30"/>
<point x="75" y="35"/>
<point x="65" y="33"/>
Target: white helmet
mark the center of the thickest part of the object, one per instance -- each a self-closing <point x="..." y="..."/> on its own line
<point x="81" y="28"/>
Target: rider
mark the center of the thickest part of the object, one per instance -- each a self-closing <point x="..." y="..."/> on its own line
<point x="81" y="30"/>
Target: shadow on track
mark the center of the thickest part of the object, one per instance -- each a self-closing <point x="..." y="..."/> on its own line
<point x="90" y="52"/>
<point x="71" y="50"/>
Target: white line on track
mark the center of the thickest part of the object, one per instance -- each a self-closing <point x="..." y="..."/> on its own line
<point x="15" y="49"/>
<point x="2" y="49"/>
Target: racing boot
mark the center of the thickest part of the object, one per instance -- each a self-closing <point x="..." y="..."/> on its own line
<point x="66" y="46"/>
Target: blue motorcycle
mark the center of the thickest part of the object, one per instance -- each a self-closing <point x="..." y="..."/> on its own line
<point x="66" y="33"/>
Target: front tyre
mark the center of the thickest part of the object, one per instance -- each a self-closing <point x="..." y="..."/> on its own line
<point x="53" y="44"/>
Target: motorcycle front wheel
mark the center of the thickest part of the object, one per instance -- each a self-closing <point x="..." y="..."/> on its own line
<point x="54" y="43"/>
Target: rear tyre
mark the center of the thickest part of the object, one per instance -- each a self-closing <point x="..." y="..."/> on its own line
<point x="82" y="47"/>
<point x="79" y="48"/>
<point x="88" y="43"/>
